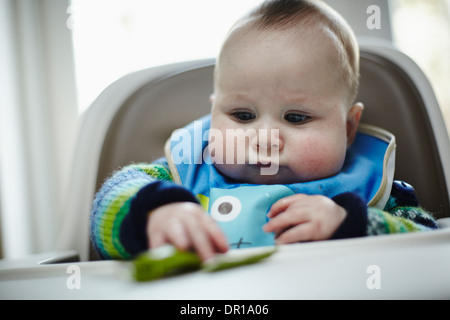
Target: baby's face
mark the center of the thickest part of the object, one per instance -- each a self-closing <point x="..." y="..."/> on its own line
<point x="283" y="91"/>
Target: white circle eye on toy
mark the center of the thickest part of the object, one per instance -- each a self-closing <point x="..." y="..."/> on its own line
<point x="226" y="208"/>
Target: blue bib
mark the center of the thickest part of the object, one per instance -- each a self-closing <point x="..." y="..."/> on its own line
<point x="240" y="209"/>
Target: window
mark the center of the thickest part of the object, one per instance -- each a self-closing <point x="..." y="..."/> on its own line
<point x="115" y="37"/>
<point x="421" y="29"/>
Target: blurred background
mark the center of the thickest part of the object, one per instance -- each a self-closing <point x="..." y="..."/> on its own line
<point x="57" y="56"/>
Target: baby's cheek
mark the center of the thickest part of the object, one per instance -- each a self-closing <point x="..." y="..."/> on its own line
<point x="316" y="159"/>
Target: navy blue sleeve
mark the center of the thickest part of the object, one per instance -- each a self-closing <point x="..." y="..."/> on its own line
<point x="355" y="223"/>
<point x="133" y="233"/>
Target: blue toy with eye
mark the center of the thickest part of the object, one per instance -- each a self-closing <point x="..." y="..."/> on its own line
<point x="241" y="212"/>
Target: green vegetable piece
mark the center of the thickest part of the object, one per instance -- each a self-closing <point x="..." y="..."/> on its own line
<point x="162" y="262"/>
<point x="167" y="260"/>
<point x="237" y="258"/>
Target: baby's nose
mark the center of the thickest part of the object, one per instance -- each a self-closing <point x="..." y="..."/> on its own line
<point x="267" y="140"/>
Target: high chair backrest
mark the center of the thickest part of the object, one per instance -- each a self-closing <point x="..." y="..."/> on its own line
<point x="132" y="119"/>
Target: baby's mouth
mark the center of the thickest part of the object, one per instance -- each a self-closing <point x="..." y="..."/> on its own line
<point x="263" y="164"/>
<point x="266" y="168"/>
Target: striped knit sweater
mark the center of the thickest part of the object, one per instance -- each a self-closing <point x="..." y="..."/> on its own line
<point x="119" y="213"/>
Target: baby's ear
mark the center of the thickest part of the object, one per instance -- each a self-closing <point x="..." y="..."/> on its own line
<point x="212" y="96"/>
<point x="353" y="117"/>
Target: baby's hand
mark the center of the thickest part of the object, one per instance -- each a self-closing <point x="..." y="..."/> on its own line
<point x="304" y="218"/>
<point x="186" y="226"/>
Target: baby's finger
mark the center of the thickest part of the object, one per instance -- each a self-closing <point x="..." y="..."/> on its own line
<point x="278" y="207"/>
<point x="176" y="235"/>
<point x="156" y="239"/>
<point x="216" y="235"/>
<point x="298" y="233"/>
<point x="199" y="240"/>
<point x="282" y="204"/>
<point x="286" y="220"/>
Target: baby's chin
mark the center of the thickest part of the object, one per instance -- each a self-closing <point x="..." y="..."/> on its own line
<point x="268" y="179"/>
<point x="255" y="174"/>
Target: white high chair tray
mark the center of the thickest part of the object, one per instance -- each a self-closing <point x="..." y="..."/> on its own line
<point x="402" y="266"/>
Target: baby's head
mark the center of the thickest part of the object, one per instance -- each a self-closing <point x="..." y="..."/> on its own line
<point x="285" y="80"/>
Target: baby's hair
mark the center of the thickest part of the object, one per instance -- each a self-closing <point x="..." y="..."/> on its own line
<point x="285" y="14"/>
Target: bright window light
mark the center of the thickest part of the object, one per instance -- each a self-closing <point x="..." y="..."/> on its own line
<point x="115" y="37"/>
<point x="421" y="29"/>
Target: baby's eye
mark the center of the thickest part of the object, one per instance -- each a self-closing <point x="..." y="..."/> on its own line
<point x="296" y="118"/>
<point x="244" y="116"/>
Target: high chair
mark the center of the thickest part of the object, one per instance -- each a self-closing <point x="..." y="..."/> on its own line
<point x="131" y="120"/>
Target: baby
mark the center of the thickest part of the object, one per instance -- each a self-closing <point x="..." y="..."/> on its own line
<point x="287" y="75"/>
